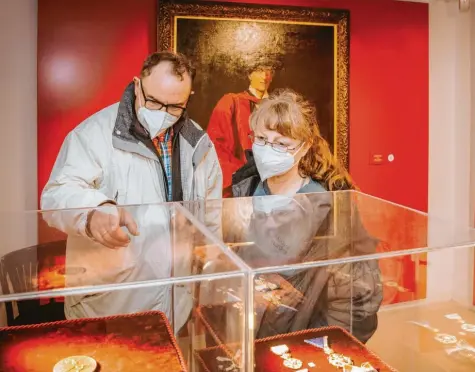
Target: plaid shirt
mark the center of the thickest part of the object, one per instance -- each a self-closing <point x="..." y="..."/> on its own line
<point x="163" y="143"/>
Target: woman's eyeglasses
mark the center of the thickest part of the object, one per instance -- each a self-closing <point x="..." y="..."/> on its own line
<point x="261" y="141"/>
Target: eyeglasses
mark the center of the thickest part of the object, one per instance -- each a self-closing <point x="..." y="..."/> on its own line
<point x="261" y="141"/>
<point x="154" y="105"/>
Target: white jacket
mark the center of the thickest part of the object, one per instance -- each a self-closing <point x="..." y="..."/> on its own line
<point x="102" y="160"/>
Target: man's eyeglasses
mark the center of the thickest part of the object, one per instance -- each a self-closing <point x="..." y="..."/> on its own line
<point x="261" y="141"/>
<point x="154" y="105"/>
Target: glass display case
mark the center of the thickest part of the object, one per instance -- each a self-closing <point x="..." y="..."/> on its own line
<point x="75" y="305"/>
<point x="317" y="282"/>
<point x="346" y="281"/>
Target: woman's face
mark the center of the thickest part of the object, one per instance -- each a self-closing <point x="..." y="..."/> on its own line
<point x="274" y="137"/>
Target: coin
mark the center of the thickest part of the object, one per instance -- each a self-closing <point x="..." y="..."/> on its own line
<point x="77" y="363"/>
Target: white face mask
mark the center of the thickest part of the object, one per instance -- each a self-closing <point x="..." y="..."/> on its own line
<point x="271" y="163"/>
<point x="155" y="121"/>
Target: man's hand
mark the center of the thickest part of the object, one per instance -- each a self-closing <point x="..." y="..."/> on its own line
<point x="104" y="226"/>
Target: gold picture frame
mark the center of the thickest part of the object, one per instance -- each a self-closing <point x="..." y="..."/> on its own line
<point x="171" y="12"/>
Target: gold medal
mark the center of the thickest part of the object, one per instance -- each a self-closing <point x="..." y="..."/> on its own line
<point x="293" y="363"/>
<point x="78" y="363"/>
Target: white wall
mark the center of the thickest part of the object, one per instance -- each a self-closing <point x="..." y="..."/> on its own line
<point x="18" y="155"/>
<point x="18" y="108"/>
<point x="450" y="139"/>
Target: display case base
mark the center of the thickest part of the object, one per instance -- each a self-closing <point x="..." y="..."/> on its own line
<point x="138" y="342"/>
<point x="215" y="359"/>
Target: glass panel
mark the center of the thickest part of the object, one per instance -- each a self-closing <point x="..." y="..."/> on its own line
<point x="275" y="231"/>
<point x="348" y="278"/>
<point x="70" y="300"/>
<point x="117" y="331"/>
<point x="168" y="248"/>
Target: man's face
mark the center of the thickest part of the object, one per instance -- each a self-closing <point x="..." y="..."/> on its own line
<point x="163" y="86"/>
<point x="260" y="79"/>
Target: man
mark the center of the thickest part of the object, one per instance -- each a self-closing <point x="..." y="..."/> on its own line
<point x="229" y="123"/>
<point x="143" y="150"/>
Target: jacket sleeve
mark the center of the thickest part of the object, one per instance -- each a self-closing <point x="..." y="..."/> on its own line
<point x="72" y="183"/>
<point x="215" y="176"/>
<point x="221" y="133"/>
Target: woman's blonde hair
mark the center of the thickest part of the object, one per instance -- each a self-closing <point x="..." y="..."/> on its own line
<point x="289" y="114"/>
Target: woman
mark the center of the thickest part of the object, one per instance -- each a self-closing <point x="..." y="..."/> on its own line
<point x="290" y="154"/>
<point x="290" y="158"/>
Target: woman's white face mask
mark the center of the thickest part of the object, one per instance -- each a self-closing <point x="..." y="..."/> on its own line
<point x="271" y="163"/>
<point x="154" y="121"/>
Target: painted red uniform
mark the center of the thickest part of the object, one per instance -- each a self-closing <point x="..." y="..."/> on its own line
<point x="229" y="130"/>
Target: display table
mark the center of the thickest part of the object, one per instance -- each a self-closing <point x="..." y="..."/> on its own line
<point x="312" y="358"/>
<point x="139" y="342"/>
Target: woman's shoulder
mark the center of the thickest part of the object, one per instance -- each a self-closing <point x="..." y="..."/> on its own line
<point x="313" y="186"/>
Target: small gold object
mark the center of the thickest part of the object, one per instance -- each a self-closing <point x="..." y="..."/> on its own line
<point x="77" y="363"/>
<point x="280" y="349"/>
<point x="293" y="363"/>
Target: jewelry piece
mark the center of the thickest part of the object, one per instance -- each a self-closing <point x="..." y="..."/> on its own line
<point x="321" y="343"/>
<point x="350" y="368"/>
<point x="312" y="364"/>
<point x="326" y="348"/>
<point x="75" y="364"/>
<point x="453" y="316"/>
<point x="280" y="349"/>
<point x="367" y="367"/>
<point x="232" y="367"/>
<point x="273" y="299"/>
<point x="339" y="360"/>
<point x="468" y="327"/>
<point x="318" y="342"/>
<point x="286" y="356"/>
<point x="293" y="363"/>
<point x="445" y="338"/>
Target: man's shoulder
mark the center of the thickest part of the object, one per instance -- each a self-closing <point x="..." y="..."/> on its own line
<point x="102" y="121"/>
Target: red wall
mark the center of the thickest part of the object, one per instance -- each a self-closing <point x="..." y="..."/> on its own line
<point x="89" y="50"/>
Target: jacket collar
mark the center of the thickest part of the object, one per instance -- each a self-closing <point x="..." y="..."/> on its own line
<point x="128" y="129"/>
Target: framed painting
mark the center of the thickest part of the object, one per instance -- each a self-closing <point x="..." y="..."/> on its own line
<point x="244" y="52"/>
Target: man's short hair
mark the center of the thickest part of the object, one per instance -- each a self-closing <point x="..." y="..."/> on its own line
<point x="180" y="64"/>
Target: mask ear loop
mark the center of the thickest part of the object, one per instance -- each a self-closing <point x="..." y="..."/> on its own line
<point x="140" y="96"/>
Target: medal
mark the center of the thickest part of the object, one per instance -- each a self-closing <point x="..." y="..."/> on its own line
<point x="468" y="327"/>
<point x="280" y="349"/>
<point x="78" y="363"/>
<point x="321" y="343"/>
<point x="339" y="360"/>
<point x="293" y="363"/>
<point x="444" y="338"/>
